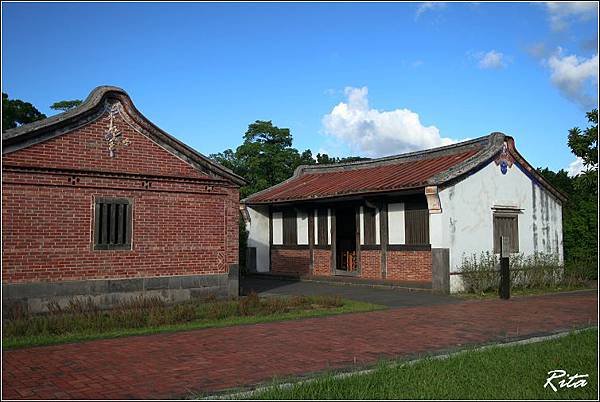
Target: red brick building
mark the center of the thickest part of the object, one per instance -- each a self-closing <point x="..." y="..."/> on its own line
<point x="98" y="201"/>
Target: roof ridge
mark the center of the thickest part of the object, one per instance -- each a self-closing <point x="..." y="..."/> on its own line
<point x="399" y="157"/>
<point x="90" y="101"/>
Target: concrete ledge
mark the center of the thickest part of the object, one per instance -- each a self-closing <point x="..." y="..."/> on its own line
<point x="108" y="292"/>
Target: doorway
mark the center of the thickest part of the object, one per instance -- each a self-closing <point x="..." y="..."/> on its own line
<point x="345" y="238"/>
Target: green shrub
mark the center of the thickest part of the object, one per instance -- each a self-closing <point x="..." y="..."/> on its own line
<point x="481" y="273"/>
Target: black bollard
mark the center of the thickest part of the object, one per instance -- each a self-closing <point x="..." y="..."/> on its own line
<point x="504" y="271"/>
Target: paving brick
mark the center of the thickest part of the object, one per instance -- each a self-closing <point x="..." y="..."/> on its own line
<point x="209" y="360"/>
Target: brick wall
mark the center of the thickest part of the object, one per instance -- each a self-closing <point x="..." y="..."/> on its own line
<point x="370" y="264"/>
<point x="409" y="266"/>
<point x="184" y="222"/>
<point x="322" y="262"/>
<point x="290" y="261"/>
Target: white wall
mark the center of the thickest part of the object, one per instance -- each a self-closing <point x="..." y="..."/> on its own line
<point x="465" y="225"/>
<point x="316" y="226"/>
<point x="277" y="227"/>
<point x="302" y="227"/>
<point x="329" y="226"/>
<point x="258" y="236"/>
<point x="377" y="228"/>
<point x="396" y="223"/>
<point x="361" y="228"/>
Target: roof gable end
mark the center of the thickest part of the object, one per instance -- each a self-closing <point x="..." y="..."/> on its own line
<point x="91" y="109"/>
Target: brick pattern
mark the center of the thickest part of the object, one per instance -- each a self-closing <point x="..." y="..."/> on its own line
<point x="290" y="261"/>
<point x="409" y="266"/>
<point x="184" y="222"/>
<point x="193" y="364"/>
<point x="322" y="262"/>
<point x="370" y="264"/>
<point x="86" y="149"/>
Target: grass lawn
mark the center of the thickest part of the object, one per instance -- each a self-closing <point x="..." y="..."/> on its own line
<point x="81" y="322"/>
<point x="512" y="372"/>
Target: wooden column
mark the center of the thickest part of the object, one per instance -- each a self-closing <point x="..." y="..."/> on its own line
<point x="332" y="230"/>
<point x="358" y="229"/>
<point x="311" y="238"/>
<point x="383" y="237"/>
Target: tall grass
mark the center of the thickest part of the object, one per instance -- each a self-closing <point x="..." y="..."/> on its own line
<point x="481" y="273"/>
<point x="82" y="315"/>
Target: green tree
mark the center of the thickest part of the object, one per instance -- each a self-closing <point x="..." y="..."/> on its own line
<point x="584" y="144"/>
<point x="265" y="158"/>
<point x="15" y="112"/>
<point x="65" y="105"/>
<point x="580" y="211"/>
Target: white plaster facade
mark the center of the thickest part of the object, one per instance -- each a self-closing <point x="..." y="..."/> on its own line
<point x="258" y="235"/>
<point x="465" y="225"/>
<point x="396" y="229"/>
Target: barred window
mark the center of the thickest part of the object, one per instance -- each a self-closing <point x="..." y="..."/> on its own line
<point x="112" y="224"/>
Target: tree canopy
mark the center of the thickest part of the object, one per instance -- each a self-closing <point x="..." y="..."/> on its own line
<point x="267" y="157"/>
<point x="15" y="112"/>
<point x="584" y="144"/>
<point x="65" y="105"/>
<point x="580" y="211"/>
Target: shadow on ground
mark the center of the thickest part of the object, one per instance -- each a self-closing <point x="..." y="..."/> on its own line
<point x="385" y="297"/>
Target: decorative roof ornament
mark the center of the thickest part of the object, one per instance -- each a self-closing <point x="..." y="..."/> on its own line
<point x="504" y="159"/>
<point x="114" y="136"/>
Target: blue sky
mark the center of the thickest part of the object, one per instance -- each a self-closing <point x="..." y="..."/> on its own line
<point x="362" y="79"/>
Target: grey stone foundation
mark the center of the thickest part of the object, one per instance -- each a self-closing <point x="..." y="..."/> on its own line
<point x="108" y="292"/>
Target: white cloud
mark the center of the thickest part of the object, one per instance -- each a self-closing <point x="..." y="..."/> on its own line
<point x="373" y="133"/>
<point x="491" y="60"/>
<point x="428" y="6"/>
<point x="562" y="13"/>
<point x="575" y="77"/>
<point x="576" y="167"/>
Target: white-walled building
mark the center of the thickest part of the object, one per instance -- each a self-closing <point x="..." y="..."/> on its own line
<point x="407" y="218"/>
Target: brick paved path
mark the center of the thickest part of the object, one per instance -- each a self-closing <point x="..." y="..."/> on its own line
<point x="174" y="365"/>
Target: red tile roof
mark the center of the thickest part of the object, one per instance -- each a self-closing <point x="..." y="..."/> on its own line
<point x="394" y="173"/>
<point x="362" y="180"/>
<point x="378" y="175"/>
